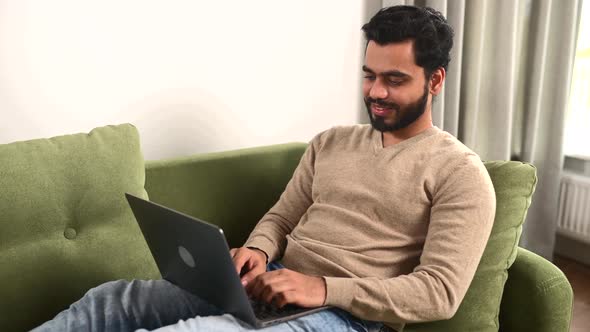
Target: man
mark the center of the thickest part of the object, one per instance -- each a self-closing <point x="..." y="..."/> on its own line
<point x="386" y="223"/>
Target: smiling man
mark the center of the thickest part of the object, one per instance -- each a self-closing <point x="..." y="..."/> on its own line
<point x="391" y="78"/>
<point x="386" y="223"/>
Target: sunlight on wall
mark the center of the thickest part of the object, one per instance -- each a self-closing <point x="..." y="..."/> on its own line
<point x="577" y="130"/>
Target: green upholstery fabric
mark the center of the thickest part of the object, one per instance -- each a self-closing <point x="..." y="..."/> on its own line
<point x="514" y="184"/>
<point x="537" y="294"/>
<point x="64" y="223"/>
<point x="232" y="189"/>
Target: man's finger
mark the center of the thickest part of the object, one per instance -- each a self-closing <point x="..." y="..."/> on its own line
<point x="239" y="260"/>
<point x="285" y="298"/>
<point x="251" y="275"/>
<point x="255" y="286"/>
<point x="251" y="263"/>
<point x="274" y="289"/>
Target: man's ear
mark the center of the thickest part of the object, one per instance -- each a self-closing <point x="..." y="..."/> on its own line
<point x="436" y="80"/>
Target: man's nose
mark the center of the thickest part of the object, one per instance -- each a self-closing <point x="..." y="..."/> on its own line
<point x="378" y="90"/>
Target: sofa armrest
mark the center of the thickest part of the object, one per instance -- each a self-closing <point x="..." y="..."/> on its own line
<point x="537" y="296"/>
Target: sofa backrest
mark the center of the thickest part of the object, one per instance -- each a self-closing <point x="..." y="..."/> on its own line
<point x="232" y="189"/>
<point x="65" y="226"/>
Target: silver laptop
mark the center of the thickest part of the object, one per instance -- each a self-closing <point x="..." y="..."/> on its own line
<point x="194" y="255"/>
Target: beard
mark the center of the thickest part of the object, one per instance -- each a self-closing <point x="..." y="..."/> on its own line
<point x="405" y="116"/>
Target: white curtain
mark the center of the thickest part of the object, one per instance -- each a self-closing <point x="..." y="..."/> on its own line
<point x="507" y="87"/>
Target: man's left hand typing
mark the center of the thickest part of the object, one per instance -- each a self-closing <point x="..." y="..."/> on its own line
<point x="286" y="286"/>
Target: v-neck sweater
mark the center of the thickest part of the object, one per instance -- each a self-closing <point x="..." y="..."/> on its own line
<point x="396" y="232"/>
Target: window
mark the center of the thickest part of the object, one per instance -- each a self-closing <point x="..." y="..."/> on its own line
<point x="577" y="122"/>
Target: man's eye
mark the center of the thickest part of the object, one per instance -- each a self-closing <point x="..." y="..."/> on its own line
<point x="395" y="82"/>
<point x="370" y="77"/>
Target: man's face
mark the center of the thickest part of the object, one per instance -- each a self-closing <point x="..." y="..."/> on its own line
<point x="394" y="87"/>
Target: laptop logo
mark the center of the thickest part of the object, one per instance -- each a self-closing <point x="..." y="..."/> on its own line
<point x="186" y="256"/>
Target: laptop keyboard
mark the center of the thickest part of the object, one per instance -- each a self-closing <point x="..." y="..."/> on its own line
<point x="266" y="311"/>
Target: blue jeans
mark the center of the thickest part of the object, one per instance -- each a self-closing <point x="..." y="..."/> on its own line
<point x="159" y="305"/>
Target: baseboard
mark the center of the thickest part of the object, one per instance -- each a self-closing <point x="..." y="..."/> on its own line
<point x="573" y="249"/>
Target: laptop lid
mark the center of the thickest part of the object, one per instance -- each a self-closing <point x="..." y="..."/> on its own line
<point x="193" y="255"/>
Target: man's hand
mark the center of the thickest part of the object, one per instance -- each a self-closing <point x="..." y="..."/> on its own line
<point x="253" y="260"/>
<point x="286" y="286"/>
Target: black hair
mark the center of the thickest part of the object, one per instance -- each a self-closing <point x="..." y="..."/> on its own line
<point x="428" y="28"/>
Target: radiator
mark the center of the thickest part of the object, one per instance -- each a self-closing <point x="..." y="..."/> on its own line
<point x="574" y="207"/>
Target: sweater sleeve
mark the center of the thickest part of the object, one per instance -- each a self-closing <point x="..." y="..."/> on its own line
<point x="270" y="233"/>
<point x="461" y="219"/>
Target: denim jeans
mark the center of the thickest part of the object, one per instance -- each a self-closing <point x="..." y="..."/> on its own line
<point x="141" y="305"/>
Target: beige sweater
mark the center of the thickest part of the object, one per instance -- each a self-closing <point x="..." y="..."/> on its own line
<point x="396" y="232"/>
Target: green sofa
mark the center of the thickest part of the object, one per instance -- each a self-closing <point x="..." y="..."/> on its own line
<point x="65" y="226"/>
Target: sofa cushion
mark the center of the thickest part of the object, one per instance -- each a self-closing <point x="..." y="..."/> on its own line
<point x="514" y="184"/>
<point x="65" y="225"/>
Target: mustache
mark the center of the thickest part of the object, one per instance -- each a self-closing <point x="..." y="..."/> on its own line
<point x="381" y="103"/>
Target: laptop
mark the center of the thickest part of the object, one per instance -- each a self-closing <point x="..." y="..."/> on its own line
<point x="194" y="255"/>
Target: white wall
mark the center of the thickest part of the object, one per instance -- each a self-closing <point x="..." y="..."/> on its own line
<point x="193" y="76"/>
